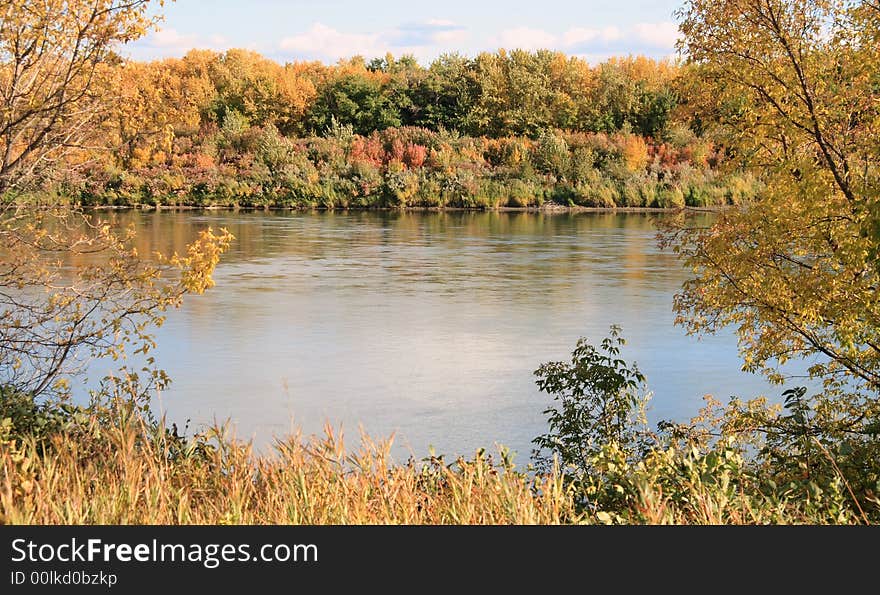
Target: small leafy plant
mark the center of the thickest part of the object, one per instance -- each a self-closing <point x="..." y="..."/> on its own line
<point x="599" y="400"/>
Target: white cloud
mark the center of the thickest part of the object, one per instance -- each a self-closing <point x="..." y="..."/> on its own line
<point x="582" y="35"/>
<point x="643" y="38"/>
<point x="423" y="40"/>
<point x="597" y="45"/>
<point x="321" y="41"/>
<point x="526" y="38"/>
<point x="450" y="38"/>
<point x="218" y="40"/>
<point x="170" y="42"/>
<point x="661" y="35"/>
<point x="441" y="23"/>
<point x="426" y="40"/>
<point x="427" y="35"/>
<point x="171" y="38"/>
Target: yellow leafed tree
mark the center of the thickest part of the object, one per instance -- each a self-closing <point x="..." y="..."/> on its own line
<point x="71" y="286"/>
<point x="792" y="89"/>
<point x="52" y="57"/>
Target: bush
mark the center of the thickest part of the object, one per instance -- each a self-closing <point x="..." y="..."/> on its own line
<point x="429" y="192"/>
<point x="629" y="193"/>
<point x="401" y="184"/>
<point x="599" y="399"/>
<point x="22" y="416"/>
<point x="748" y="462"/>
<point x="521" y="193"/>
<point x="582" y="169"/>
<point x="507" y="152"/>
<point x="669" y="197"/>
<point x="550" y="155"/>
<point x="275" y="151"/>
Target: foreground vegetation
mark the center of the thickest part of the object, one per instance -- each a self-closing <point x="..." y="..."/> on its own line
<point x="119" y="469"/>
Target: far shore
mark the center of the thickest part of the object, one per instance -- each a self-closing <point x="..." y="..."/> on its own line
<point x="543" y="209"/>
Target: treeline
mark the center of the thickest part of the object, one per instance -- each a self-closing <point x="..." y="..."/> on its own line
<point x="501" y="129"/>
<point x="515" y="93"/>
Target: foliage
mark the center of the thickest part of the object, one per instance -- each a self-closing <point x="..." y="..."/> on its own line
<point x="254" y="166"/>
<point x="600" y="401"/>
<point x="113" y="463"/>
<point x="356" y="100"/>
<point x="21" y="416"/>
<point x="552" y="155"/>
<point x="55" y="78"/>
<point x="54" y="317"/>
<point x="747" y="462"/>
<point x="235" y="128"/>
<point x="790" y="89"/>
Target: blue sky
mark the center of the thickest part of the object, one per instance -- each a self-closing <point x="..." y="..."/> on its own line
<point x="328" y="30"/>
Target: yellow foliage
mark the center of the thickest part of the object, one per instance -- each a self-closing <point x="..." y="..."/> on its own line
<point x="635" y="153"/>
<point x="53" y="63"/>
<point x="796" y="271"/>
<point x="85" y="291"/>
<point x="201" y="258"/>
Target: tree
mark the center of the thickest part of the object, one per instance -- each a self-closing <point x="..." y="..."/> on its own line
<point x="522" y="93"/>
<point x="260" y="89"/>
<point x="637" y="91"/>
<point x="71" y="286"/>
<point x="445" y="96"/>
<point x="600" y="399"/>
<point x="52" y="65"/>
<point x="143" y="122"/>
<point x="792" y="89"/>
<point x="358" y="99"/>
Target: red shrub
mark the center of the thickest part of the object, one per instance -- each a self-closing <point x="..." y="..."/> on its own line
<point x="415" y="155"/>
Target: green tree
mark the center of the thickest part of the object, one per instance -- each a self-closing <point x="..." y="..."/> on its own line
<point x="599" y="400"/>
<point x="445" y="96"/>
<point x="356" y="99"/>
<point x="523" y="93"/>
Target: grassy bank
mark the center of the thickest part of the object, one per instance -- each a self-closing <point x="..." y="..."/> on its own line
<point x="252" y="167"/>
<point x="124" y="475"/>
<point x="127" y="473"/>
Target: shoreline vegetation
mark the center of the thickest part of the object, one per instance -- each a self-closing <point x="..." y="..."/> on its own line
<point x="412" y="168"/>
<point x="543" y="209"/>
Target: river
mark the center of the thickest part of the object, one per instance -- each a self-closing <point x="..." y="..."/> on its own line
<point x="425" y="325"/>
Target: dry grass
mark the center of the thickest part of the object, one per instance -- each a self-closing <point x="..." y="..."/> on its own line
<point x="127" y="477"/>
<point x="129" y="471"/>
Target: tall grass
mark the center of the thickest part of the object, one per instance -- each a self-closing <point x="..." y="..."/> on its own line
<point x="130" y="474"/>
<point x="132" y="471"/>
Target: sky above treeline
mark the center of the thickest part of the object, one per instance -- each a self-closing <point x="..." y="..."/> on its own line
<point x="327" y="30"/>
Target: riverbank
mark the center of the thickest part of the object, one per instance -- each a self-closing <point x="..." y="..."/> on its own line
<point x="409" y="168"/>
<point x="546" y="208"/>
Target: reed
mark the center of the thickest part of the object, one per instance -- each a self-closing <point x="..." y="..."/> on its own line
<point x="129" y="474"/>
<point x="134" y="471"/>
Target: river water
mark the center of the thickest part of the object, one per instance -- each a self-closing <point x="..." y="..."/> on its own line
<point x="425" y="325"/>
